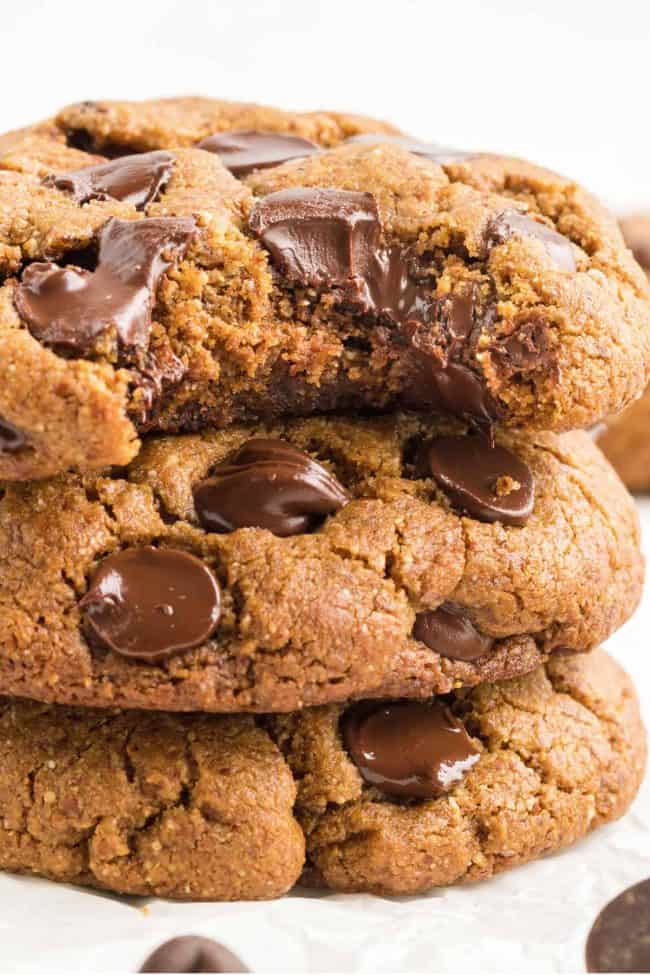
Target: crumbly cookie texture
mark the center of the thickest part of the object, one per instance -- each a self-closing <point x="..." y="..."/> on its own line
<point x="555" y="329"/>
<point x="625" y="441"/>
<point x="328" y="613"/>
<point x="209" y="807"/>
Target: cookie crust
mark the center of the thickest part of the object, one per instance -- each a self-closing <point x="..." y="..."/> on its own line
<point x="327" y="615"/>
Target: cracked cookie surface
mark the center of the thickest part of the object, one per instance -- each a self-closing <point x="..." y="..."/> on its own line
<point x="222" y="808"/>
<point x="625" y="441"/>
<point x="343" y="607"/>
<point x="530" y="312"/>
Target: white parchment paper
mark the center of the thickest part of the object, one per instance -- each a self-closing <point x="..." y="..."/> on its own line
<point x="532" y="919"/>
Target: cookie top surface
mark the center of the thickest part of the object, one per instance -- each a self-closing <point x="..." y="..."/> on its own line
<point x="321" y="559"/>
<point x="224" y="808"/>
<point x="330" y="264"/>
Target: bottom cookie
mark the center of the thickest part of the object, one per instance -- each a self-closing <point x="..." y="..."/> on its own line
<point x="385" y="797"/>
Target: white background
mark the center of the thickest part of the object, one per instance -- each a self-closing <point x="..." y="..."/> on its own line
<point x="563" y="83"/>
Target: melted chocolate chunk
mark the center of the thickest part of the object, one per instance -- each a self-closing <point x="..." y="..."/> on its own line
<point x="486" y="482"/>
<point x="245" y="151"/>
<point x="619" y="941"/>
<point x="512" y="223"/>
<point x="441" y="377"/>
<point x="410" y="749"/>
<point x="12" y="439"/>
<point x="450" y="632"/>
<point x="268" y="484"/>
<point x="324" y="238"/>
<point x="192" y="953"/>
<point x="428" y="150"/>
<point x="69" y="308"/>
<point x="132" y="179"/>
<point x="149" y="603"/>
<point x="528" y="348"/>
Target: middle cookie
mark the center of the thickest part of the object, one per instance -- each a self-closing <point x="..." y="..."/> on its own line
<point x="270" y="568"/>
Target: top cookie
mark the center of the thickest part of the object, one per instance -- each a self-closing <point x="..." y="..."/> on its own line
<point x="214" y="283"/>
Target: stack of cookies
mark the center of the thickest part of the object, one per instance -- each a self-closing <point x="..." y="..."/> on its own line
<point x="300" y="559"/>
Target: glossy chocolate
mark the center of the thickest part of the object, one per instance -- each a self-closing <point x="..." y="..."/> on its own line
<point x="191" y="953"/>
<point x="12" y="439"/>
<point x="243" y="152"/>
<point x="512" y="223"/>
<point x="149" y="603"/>
<point x="619" y="940"/>
<point x="449" y="631"/>
<point x="69" y="308"/>
<point x="409" y="749"/>
<point x="444" y="379"/>
<point x="484" y="481"/>
<point x="132" y="179"/>
<point x="325" y="238"/>
<point x="268" y="484"/>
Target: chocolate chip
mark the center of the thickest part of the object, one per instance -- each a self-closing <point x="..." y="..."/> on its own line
<point x="527" y="349"/>
<point x="325" y="238"/>
<point x="484" y="481"/>
<point x="450" y="632"/>
<point x="243" y="152"/>
<point x="12" y="439"/>
<point x="268" y="484"/>
<point x="68" y="308"/>
<point x="410" y="749"/>
<point x="512" y="223"/>
<point x="192" y="953"/>
<point x="132" y="179"/>
<point x="428" y="150"/>
<point x="440" y="374"/>
<point x="619" y="941"/>
<point x="150" y="603"/>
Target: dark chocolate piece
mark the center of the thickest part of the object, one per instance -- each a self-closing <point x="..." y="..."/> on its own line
<point x="191" y="953"/>
<point x="484" y="481"/>
<point x="619" y="940"/>
<point x="268" y="484"/>
<point x="149" y="603"/>
<point x="410" y="749"/>
<point x="132" y="179"/>
<point x="245" y="151"/>
<point x="69" y="308"/>
<point x="325" y="238"/>
<point x="449" y="631"/>
<point x="512" y="223"/>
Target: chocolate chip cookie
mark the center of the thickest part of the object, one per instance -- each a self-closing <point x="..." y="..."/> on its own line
<point x="270" y="567"/>
<point x="222" y="808"/>
<point x="626" y="437"/>
<point x="217" y="263"/>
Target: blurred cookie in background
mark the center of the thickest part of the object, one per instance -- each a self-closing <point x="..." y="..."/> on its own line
<point x="626" y="438"/>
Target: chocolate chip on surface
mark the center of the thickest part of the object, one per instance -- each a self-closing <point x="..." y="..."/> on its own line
<point x="409" y="749"/>
<point x="149" y="603"/>
<point x="512" y="223"/>
<point x="191" y="953"/>
<point x="485" y="481"/>
<point x="69" y="308"/>
<point x="449" y="631"/>
<point x="268" y="484"/>
<point x="332" y="239"/>
<point x="134" y="179"/>
<point x="245" y="151"/>
<point x="619" y="940"/>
